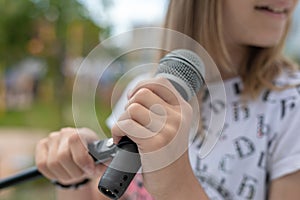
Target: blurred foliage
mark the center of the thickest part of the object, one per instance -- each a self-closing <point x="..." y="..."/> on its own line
<point x="45" y="28"/>
<point x="29" y="117"/>
<point x="56" y="32"/>
<point x="46" y="116"/>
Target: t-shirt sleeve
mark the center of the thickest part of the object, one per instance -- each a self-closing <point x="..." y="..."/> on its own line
<point x="285" y="156"/>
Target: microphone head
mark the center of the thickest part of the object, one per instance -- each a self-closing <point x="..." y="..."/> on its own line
<point x="185" y="70"/>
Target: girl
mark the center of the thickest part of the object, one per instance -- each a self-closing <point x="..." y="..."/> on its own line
<point x="258" y="155"/>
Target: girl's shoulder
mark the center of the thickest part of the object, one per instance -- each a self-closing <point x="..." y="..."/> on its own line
<point x="288" y="78"/>
<point x="286" y="101"/>
<point x="288" y="83"/>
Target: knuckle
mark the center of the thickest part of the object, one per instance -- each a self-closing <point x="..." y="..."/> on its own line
<point x="41" y="164"/>
<point x="123" y="127"/>
<point x="63" y="156"/>
<point x="115" y="128"/>
<point x="43" y="142"/>
<point x="134" y="108"/>
<point x="172" y="129"/>
<point x="177" y="117"/>
<point x="162" y="80"/>
<point x="52" y="164"/>
<point x="67" y="129"/>
<point x="54" y="135"/>
<point x="75" y="138"/>
<point x="142" y="93"/>
<point x="127" y="123"/>
<point x="81" y="160"/>
<point x="142" y="83"/>
<point x="162" y="142"/>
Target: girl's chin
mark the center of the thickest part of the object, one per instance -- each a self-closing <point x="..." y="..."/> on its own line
<point x="265" y="44"/>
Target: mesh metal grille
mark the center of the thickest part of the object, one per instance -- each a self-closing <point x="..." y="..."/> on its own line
<point x="185" y="65"/>
<point x="192" y="57"/>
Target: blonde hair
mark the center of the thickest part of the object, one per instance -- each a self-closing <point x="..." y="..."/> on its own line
<point x="202" y="21"/>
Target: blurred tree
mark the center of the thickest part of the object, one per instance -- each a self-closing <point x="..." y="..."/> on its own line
<point x="53" y="30"/>
<point x="28" y="27"/>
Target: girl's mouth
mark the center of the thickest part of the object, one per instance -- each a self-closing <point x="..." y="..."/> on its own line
<point x="274" y="11"/>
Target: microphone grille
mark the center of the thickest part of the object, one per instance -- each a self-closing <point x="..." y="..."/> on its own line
<point x="186" y="66"/>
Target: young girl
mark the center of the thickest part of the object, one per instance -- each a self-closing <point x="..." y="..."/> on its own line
<point x="258" y="154"/>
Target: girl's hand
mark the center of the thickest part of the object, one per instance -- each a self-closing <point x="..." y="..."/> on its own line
<point x="158" y="120"/>
<point x="63" y="156"/>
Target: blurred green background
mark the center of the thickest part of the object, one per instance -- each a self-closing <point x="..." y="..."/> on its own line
<point x="42" y="44"/>
<point x="40" y="40"/>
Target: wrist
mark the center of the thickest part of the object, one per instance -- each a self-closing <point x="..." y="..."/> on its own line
<point x="190" y="188"/>
<point x="71" y="186"/>
<point x="179" y="182"/>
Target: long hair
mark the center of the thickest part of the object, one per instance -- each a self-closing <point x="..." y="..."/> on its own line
<point x="202" y="21"/>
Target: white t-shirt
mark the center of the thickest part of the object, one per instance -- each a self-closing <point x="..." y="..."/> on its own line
<point x="260" y="141"/>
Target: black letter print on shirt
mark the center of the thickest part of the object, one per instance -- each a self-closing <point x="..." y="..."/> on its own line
<point x="247" y="187"/>
<point x="244" y="147"/>
<point x="287" y="103"/>
<point x="240" y="111"/>
<point x="262" y="128"/>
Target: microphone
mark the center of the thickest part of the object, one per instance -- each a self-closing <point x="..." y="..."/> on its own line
<point x="185" y="70"/>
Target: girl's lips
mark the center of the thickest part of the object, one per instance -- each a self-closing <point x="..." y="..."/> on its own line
<point x="275" y="6"/>
<point x="278" y="12"/>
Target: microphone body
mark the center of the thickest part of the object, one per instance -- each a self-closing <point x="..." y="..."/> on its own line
<point x="185" y="70"/>
<point x="121" y="170"/>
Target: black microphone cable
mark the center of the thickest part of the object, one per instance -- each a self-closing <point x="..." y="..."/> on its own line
<point x="101" y="151"/>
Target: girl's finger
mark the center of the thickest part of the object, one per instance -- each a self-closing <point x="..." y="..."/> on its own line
<point x="53" y="162"/>
<point x="146" y="117"/>
<point x="67" y="162"/>
<point x="41" y="155"/>
<point x="162" y="87"/>
<point x="148" y="99"/>
<point x="80" y="154"/>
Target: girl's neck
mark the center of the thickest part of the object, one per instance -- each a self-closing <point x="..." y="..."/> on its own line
<point x="238" y="55"/>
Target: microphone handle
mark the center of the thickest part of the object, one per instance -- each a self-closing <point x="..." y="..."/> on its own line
<point x="121" y="170"/>
<point x="26" y="175"/>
